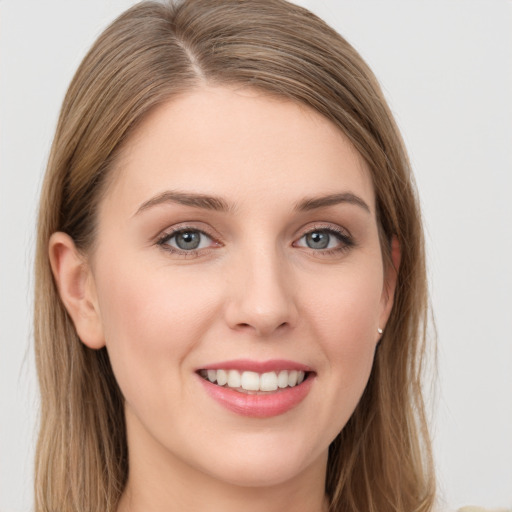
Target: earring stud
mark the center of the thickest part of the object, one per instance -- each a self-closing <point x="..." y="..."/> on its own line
<point x="379" y="330"/>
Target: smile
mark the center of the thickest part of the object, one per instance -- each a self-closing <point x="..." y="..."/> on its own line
<point x="252" y="382"/>
<point x="257" y="389"/>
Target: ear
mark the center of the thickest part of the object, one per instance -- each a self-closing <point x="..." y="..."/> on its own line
<point x="76" y="289"/>
<point x="390" y="281"/>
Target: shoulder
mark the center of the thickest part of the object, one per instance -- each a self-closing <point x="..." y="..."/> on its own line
<point x="483" y="509"/>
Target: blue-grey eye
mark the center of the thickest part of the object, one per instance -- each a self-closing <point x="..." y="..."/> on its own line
<point x="188" y="240"/>
<point x="318" y="239"/>
<point x="321" y="239"/>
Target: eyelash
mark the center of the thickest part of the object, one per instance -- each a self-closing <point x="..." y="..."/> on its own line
<point x="192" y="253"/>
<point x="345" y="240"/>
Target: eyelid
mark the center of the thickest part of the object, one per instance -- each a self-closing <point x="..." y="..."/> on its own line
<point x="342" y="234"/>
<point x="188" y="225"/>
<point x="169" y="233"/>
<point x="319" y="226"/>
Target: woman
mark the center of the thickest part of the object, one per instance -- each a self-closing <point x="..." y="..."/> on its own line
<point x="230" y="278"/>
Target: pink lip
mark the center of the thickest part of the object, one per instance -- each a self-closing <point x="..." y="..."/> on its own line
<point x="250" y="365"/>
<point x="259" y="405"/>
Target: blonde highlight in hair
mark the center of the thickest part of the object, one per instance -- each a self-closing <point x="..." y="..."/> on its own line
<point x="381" y="461"/>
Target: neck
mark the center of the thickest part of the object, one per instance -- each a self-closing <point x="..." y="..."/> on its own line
<point x="160" y="482"/>
<point x="176" y="495"/>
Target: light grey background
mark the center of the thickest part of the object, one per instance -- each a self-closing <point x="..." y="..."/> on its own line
<point x="445" y="67"/>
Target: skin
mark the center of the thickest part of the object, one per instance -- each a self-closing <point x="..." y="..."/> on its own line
<point x="253" y="290"/>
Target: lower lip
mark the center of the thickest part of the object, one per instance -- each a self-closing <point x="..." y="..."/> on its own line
<point x="259" y="406"/>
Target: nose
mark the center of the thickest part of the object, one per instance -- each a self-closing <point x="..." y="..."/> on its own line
<point x="262" y="297"/>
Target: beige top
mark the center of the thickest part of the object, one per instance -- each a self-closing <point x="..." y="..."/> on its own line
<point x="482" y="509"/>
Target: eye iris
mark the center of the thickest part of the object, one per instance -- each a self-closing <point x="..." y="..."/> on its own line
<point x="188" y="240"/>
<point x="317" y="240"/>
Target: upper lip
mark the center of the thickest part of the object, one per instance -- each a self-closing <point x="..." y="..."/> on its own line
<point x="257" y="366"/>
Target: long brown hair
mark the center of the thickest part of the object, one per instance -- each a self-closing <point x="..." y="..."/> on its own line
<point x="381" y="461"/>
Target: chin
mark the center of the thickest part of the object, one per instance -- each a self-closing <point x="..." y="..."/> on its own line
<point x="265" y="465"/>
<point x="247" y="474"/>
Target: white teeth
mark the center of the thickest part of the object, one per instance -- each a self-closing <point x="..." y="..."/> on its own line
<point x="292" y="378"/>
<point x="222" y="377"/>
<point x="234" y="379"/>
<point x="282" y="379"/>
<point x="268" y="382"/>
<point x="252" y="381"/>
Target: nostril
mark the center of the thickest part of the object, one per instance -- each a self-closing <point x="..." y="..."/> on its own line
<point x="261" y="328"/>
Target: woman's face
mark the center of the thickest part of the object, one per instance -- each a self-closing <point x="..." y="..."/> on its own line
<point x="238" y="240"/>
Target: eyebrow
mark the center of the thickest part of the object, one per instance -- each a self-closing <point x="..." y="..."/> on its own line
<point x="219" y="204"/>
<point x="203" y="201"/>
<point x="312" y="203"/>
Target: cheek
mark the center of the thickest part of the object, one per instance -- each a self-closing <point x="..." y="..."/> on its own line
<point x="345" y="322"/>
<point x="151" y="320"/>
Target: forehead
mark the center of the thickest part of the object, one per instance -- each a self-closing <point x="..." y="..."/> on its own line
<point x="240" y="143"/>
